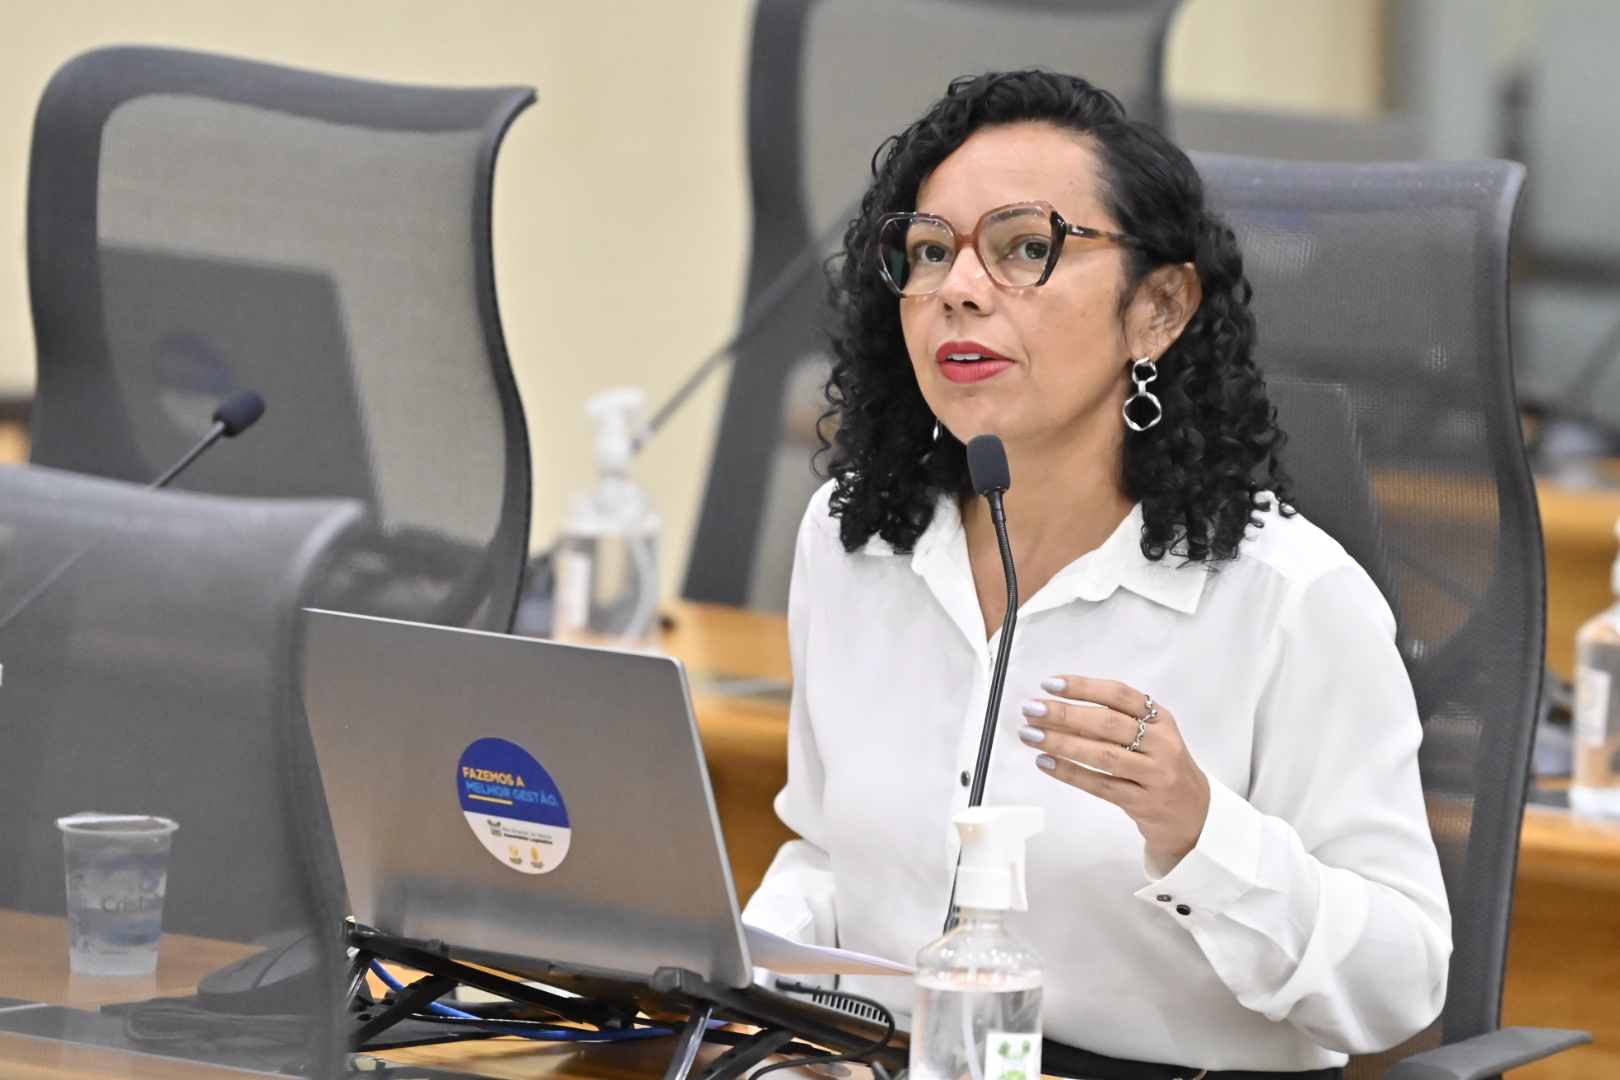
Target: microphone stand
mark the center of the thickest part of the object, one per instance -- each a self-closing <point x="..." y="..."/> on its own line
<point x="998" y="674"/>
<point x="998" y="678"/>
<point x="757" y="315"/>
<point x="215" y="433"/>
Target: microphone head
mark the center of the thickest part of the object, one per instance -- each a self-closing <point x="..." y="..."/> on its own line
<point x="987" y="464"/>
<point x="239" y="412"/>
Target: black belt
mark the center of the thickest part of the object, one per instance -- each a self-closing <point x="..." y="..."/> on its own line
<point x="1060" y="1059"/>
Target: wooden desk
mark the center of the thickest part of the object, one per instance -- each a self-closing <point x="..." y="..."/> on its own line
<point x="1557" y="848"/>
<point x="25" y="1058"/>
<point x="1564" y="955"/>
<point x="13" y="436"/>
<point x="745" y="738"/>
<point x="33" y="967"/>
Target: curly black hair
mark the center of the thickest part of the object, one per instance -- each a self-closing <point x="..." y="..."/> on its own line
<point x="1200" y="474"/>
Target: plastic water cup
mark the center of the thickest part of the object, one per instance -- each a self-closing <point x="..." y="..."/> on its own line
<point x="117" y="867"/>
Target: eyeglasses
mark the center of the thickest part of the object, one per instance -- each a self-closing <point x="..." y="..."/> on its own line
<point x="1019" y="246"/>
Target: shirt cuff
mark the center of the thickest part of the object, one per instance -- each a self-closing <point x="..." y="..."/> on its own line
<point x="783" y="912"/>
<point x="1219" y="869"/>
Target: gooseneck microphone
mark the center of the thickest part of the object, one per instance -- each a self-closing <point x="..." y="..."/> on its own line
<point x="987" y="469"/>
<point x="235" y="415"/>
<point x="988" y="472"/>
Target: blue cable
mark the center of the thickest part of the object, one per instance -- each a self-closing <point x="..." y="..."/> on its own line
<point x="541" y="1036"/>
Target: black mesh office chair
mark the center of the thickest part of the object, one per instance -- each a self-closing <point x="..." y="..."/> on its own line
<point x="199" y="225"/>
<point x="828" y="81"/>
<point x="1381" y="295"/>
<point x="158" y="675"/>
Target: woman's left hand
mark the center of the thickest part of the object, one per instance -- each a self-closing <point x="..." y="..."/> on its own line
<point x="1158" y="784"/>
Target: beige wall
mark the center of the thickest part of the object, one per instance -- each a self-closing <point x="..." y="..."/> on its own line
<point x="1322" y="56"/>
<point x="641" y="107"/>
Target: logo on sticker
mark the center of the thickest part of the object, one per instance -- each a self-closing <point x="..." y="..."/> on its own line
<point x="513" y="806"/>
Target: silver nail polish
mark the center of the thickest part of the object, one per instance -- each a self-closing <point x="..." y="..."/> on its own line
<point x="1031" y="734"/>
<point x="1033" y="708"/>
<point x="1054" y="686"/>
<point x="1047" y="762"/>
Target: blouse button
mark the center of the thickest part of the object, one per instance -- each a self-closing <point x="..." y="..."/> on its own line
<point x="1183" y="909"/>
<point x="1163" y="899"/>
<point x="964" y="778"/>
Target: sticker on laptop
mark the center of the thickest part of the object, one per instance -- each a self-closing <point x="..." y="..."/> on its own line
<point x="513" y="806"/>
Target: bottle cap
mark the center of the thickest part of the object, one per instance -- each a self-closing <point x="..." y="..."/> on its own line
<point x="991" y="873"/>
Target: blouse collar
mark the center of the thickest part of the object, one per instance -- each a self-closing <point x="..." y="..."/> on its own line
<point x="1118" y="563"/>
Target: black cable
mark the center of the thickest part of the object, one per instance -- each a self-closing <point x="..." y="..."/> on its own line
<point x="866" y="1004"/>
<point x="498" y="1025"/>
<point x="163" y="1022"/>
<point x="438" y="1012"/>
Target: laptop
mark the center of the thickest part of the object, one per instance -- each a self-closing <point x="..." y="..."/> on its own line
<point x="530" y="800"/>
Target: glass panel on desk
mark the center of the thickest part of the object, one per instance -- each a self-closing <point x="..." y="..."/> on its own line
<point x="146" y="675"/>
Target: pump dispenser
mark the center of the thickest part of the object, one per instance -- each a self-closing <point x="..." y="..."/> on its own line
<point x="978" y="1014"/>
<point x="607" y="558"/>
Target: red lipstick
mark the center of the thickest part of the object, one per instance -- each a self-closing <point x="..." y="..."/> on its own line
<point x="969" y="362"/>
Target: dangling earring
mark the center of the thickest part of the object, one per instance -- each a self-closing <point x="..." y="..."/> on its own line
<point x="1143" y="371"/>
<point x="937" y="429"/>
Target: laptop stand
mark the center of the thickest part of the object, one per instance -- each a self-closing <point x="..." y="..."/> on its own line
<point x="612" y="1005"/>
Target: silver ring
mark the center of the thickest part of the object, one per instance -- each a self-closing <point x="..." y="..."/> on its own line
<point x="1142" y="722"/>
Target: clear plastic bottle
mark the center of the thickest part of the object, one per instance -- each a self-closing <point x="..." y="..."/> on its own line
<point x="607" y="558"/>
<point x="1596" y="790"/>
<point x="978" y="1010"/>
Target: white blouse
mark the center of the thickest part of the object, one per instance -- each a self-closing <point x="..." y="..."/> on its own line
<point x="1309" y="921"/>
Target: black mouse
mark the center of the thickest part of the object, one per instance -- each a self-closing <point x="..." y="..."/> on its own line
<point x="283" y="978"/>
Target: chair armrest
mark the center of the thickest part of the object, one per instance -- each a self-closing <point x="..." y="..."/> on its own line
<point x="1486" y="1055"/>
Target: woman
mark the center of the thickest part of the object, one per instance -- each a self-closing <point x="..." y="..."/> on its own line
<point x="1236" y="874"/>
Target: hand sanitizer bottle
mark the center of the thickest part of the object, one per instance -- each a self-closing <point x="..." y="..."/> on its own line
<point x="1596" y="788"/>
<point x="607" y="559"/>
<point x="978" y="1014"/>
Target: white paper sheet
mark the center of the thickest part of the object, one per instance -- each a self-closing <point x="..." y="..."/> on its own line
<point x="791" y="958"/>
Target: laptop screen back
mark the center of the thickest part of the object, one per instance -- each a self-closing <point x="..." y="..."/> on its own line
<point x="539" y="800"/>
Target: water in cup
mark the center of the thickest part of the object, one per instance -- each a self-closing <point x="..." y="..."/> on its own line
<point x="117" y="868"/>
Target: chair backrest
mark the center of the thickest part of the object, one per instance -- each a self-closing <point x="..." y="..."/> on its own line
<point x="1381" y="295"/>
<point x="158" y="675"/>
<point x="829" y="80"/>
<point x="198" y="225"/>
